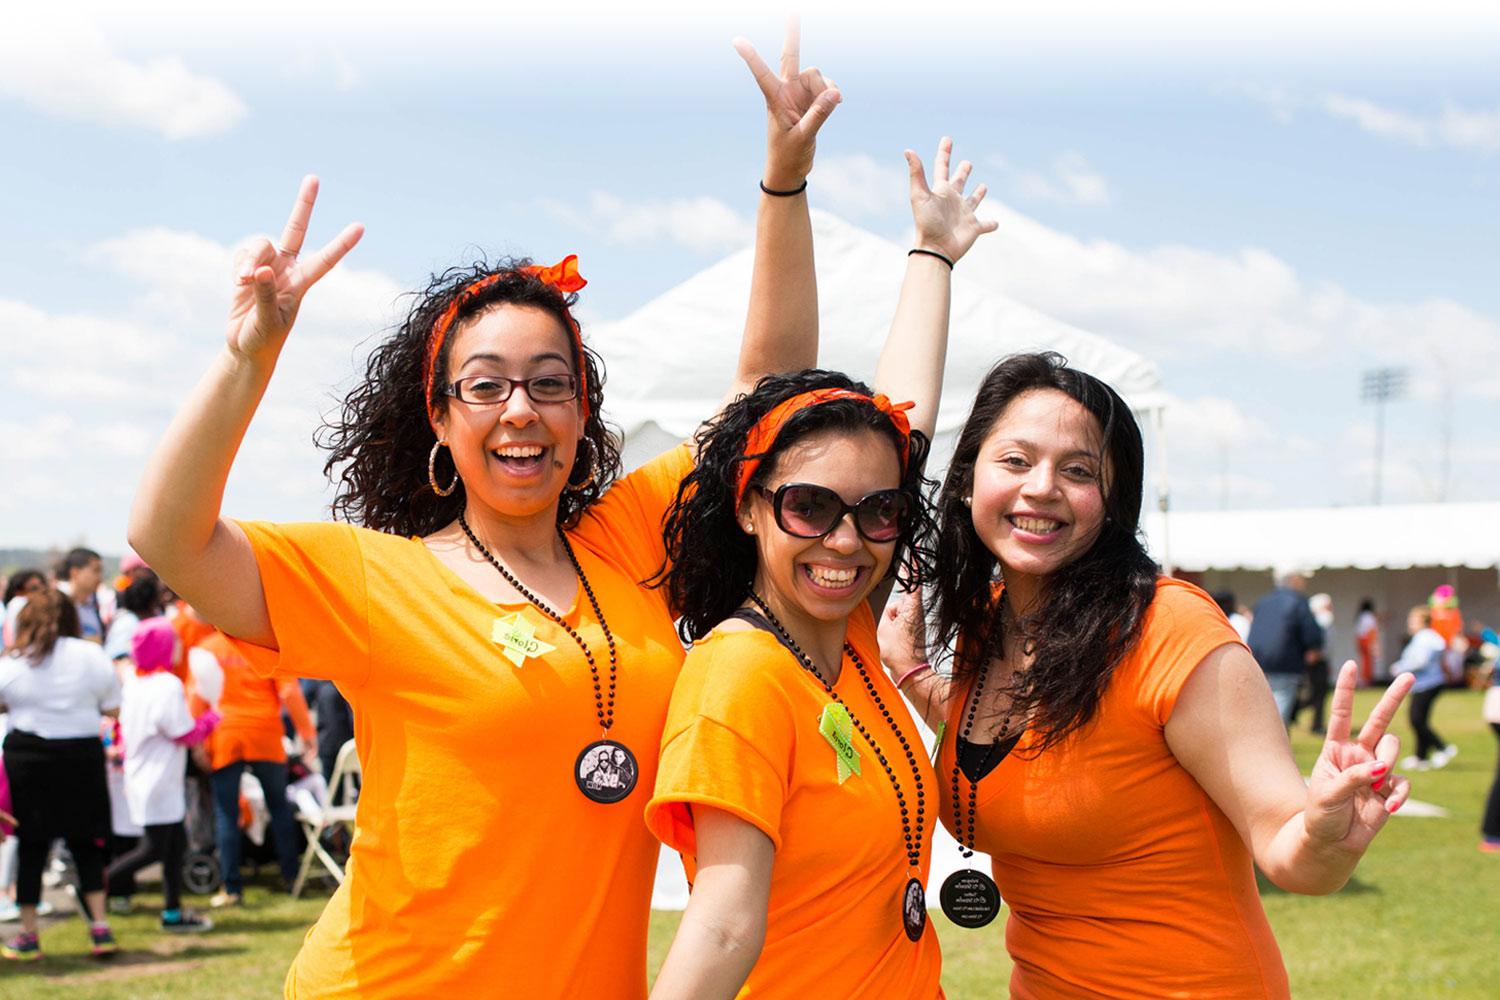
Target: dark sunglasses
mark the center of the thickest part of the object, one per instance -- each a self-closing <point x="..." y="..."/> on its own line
<point x="806" y="511"/>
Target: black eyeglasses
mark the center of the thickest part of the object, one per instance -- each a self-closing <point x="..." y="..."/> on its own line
<point x="489" y="390"/>
<point x="804" y="510"/>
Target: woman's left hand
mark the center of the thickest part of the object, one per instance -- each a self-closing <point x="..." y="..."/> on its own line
<point x="944" y="217"/>
<point x="1353" y="789"/>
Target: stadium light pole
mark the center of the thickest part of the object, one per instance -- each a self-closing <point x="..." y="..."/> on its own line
<point x="1379" y="386"/>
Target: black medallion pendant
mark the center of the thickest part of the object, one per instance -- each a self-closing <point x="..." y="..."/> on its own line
<point x="606" y="771"/>
<point x="970" y="898"/>
<point x="914" y="910"/>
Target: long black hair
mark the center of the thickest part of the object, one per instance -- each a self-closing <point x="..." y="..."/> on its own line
<point x="711" y="562"/>
<point x="379" y="441"/>
<point x="1091" y="611"/>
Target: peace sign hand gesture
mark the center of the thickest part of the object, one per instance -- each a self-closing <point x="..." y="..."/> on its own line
<point x="271" y="279"/>
<point x="798" y="102"/>
<point x="1353" y="791"/>
<point x="945" y="219"/>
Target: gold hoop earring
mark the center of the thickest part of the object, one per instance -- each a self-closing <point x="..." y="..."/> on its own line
<point x="432" y="471"/>
<point x="580" y="487"/>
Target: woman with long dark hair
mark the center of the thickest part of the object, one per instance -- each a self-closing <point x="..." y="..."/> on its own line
<point x="22" y="585"/>
<point x="792" y="777"/>
<point x="509" y="673"/>
<point x="1109" y="740"/>
<point x="56" y="686"/>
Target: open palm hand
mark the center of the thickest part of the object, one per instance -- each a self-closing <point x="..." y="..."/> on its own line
<point x="945" y="218"/>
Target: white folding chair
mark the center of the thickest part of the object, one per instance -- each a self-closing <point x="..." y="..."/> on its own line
<point x="317" y="819"/>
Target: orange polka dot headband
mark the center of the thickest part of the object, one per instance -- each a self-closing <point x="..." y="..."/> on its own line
<point x="763" y="435"/>
<point x="562" y="276"/>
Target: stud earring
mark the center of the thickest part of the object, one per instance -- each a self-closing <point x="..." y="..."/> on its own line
<point x="968" y="501"/>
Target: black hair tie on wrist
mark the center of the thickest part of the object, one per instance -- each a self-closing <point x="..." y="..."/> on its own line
<point x="785" y="194"/>
<point x="932" y="253"/>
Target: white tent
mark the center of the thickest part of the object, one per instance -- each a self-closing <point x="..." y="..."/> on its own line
<point x="1398" y="536"/>
<point x="672" y="359"/>
<point x="1394" y="555"/>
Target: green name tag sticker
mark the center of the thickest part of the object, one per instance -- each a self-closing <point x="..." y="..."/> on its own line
<point x="937" y="741"/>
<point x="516" y="636"/>
<point x="838" y="729"/>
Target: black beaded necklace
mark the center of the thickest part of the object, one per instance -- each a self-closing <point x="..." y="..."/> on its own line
<point x="969" y="897"/>
<point x="913" y="896"/>
<point x="606" y="770"/>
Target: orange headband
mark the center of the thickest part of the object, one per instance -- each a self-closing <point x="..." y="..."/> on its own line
<point x="763" y="435"/>
<point x="562" y="276"/>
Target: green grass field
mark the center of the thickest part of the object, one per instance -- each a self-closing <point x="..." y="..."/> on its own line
<point x="1411" y="925"/>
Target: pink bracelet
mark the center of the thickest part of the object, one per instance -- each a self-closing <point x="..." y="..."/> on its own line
<point x="900" y="681"/>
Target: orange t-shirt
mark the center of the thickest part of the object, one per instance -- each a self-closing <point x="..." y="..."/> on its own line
<point x="1123" y="878"/>
<point x="478" y="867"/>
<point x="250" y="710"/>
<point x="742" y="736"/>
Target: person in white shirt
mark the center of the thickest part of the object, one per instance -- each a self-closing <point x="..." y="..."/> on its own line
<point x="157" y="730"/>
<point x="56" y="687"/>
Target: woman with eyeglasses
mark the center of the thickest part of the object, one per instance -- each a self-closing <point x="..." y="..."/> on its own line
<point x="508" y="672"/>
<point x="792" y="777"/>
<point x="1108" y="738"/>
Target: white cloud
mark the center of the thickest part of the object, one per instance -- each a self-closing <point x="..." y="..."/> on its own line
<point x="858" y="186"/>
<point x="1454" y="126"/>
<point x="1069" y="181"/>
<point x="1212" y="426"/>
<point x="1384" y="122"/>
<point x="1174" y="301"/>
<point x="98" y="389"/>
<point x="702" y="224"/>
<point x="68" y="69"/>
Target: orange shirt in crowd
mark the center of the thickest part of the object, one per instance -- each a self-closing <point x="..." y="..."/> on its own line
<point x="250" y="710"/>
<point x="742" y="736"/>
<point x="478" y="868"/>
<point x="1123" y="878"/>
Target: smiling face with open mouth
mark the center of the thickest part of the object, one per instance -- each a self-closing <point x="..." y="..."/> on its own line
<point x="823" y="579"/>
<point x="1038" y="496"/>
<point x="514" y="456"/>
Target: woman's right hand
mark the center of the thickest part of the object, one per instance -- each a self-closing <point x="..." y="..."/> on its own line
<point x="798" y="102"/>
<point x="271" y="278"/>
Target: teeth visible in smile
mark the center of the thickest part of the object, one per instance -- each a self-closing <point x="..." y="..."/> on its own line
<point x="519" y="451"/>
<point x="832" y="577"/>
<point x="1036" y="525"/>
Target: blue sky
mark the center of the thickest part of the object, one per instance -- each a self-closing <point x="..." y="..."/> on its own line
<point x="1264" y="203"/>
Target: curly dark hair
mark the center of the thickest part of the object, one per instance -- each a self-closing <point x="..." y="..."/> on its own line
<point x="379" y="441"/>
<point x="1093" y="609"/>
<point x="711" y="563"/>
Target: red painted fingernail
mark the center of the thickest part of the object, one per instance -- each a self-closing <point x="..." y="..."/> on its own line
<point x="1394" y="806"/>
<point x="1378" y="783"/>
<point x="1379" y="769"/>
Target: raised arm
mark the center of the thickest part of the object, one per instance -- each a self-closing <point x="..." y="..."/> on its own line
<point x="781" y="327"/>
<point x="1306" y="837"/>
<point x="174" y="522"/>
<point x="911" y="363"/>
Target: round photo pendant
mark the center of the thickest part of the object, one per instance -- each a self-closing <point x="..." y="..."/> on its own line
<point x="914" y="910"/>
<point x="970" y="898"/>
<point x="606" y="771"/>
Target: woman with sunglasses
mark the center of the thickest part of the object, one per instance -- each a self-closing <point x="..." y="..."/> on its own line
<point x="1110" y="742"/>
<point x="508" y="672"/>
<point x="792" y="778"/>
